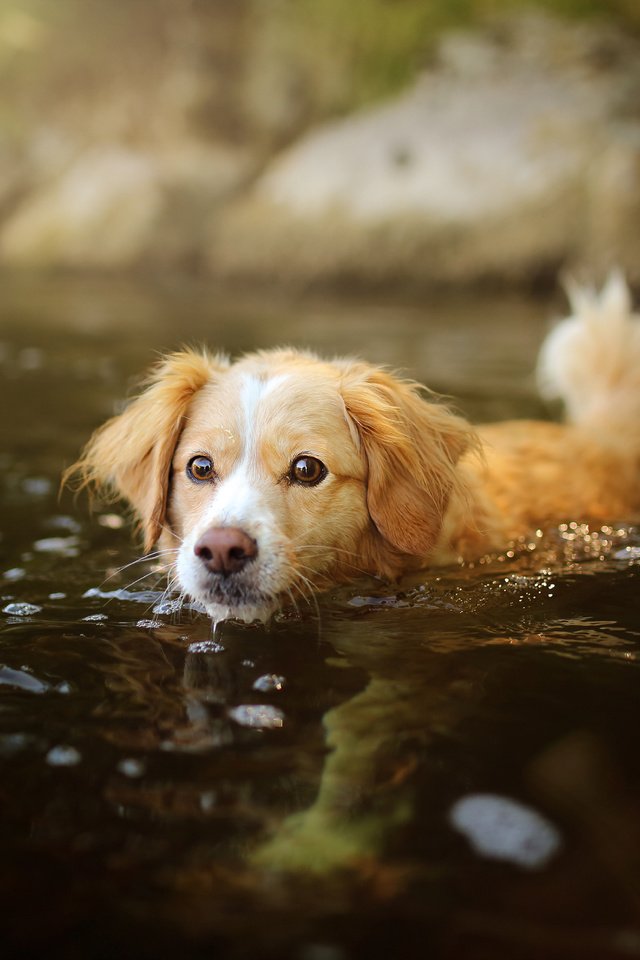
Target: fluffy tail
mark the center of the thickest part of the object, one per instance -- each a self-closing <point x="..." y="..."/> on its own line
<point x="591" y="361"/>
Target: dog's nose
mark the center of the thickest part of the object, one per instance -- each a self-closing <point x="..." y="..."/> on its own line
<point x="225" y="550"/>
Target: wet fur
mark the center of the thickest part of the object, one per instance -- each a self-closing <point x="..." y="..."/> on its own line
<point x="410" y="483"/>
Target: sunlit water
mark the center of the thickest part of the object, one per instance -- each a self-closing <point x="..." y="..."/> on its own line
<point x="445" y="768"/>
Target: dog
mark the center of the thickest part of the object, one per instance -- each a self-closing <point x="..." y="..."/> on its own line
<point x="264" y="480"/>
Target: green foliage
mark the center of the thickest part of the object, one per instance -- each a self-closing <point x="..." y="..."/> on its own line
<point x="335" y="55"/>
<point x="370" y="48"/>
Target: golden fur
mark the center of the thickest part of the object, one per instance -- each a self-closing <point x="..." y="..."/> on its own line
<point x="408" y="482"/>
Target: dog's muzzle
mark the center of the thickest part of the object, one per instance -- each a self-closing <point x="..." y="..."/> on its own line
<point x="224" y="575"/>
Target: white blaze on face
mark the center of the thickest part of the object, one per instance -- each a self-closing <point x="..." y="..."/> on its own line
<point x="244" y="499"/>
<point x="240" y="499"/>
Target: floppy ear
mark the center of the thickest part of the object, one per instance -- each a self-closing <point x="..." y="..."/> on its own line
<point x="130" y="455"/>
<point x="411" y="446"/>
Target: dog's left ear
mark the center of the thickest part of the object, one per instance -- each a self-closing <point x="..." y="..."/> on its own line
<point x="411" y="446"/>
<point x="130" y="455"/>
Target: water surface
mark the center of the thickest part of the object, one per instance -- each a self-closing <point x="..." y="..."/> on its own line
<point x="291" y="792"/>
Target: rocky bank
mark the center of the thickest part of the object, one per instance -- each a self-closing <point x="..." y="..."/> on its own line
<point x="514" y="154"/>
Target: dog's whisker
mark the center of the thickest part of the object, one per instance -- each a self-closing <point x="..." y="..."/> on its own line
<point x="145" y="576"/>
<point x="304" y="598"/>
<point x="300" y="581"/>
<point x="328" y="551"/>
<point x="297" y="573"/>
<point x="171" y="532"/>
<point x="293" y="600"/>
<point x="311" y="599"/>
<point x="299" y="587"/>
<point x="148" y="557"/>
<point x="149" y="573"/>
<point x="166" y="593"/>
<point x="357" y="570"/>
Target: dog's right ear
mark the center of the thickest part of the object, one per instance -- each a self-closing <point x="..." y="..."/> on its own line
<point x="130" y="455"/>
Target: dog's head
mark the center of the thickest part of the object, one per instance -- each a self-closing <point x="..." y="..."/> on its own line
<point x="279" y="474"/>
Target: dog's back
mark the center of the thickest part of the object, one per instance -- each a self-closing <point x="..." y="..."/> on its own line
<point x="533" y="473"/>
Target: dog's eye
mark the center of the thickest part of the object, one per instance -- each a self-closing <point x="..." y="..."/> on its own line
<point x="200" y="468"/>
<point x="307" y="470"/>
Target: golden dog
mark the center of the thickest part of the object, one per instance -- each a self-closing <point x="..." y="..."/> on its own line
<point x="266" y="479"/>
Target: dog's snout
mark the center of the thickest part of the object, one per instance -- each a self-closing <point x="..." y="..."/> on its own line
<point x="225" y="550"/>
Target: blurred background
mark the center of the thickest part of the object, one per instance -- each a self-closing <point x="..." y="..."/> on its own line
<point x="400" y="179"/>
<point x="319" y="142"/>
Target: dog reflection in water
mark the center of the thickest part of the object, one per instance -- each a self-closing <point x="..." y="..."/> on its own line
<point x="374" y="739"/>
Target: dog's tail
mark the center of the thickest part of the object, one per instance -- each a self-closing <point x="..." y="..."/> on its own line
<point x="591" y="361"/>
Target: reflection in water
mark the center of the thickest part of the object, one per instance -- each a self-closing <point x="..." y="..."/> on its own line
<point x="288" y="792"/>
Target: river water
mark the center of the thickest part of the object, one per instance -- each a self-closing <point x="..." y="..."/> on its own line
<point x="446" y="768"/>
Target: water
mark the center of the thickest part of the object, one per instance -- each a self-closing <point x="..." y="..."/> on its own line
<point x="296" y="792"/>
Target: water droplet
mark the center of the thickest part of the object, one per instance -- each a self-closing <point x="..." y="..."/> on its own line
<point x="503" y="829"/>
<point x="628" y="553"/>
<point x="149" y="624"/>
<point x="21" y="609"/>
<point x="261" y="716"/>
<point x="57" y="596"/>
<point x="22" y="679"/>
<point x="111" y="521"/>
<point x="63" y="756"/>
<point x="131" y="767"/>
<point x="168" y="606"/>
<point x="138" y="596"/>
<point x="64" y="546"/>
<point x="15" y="573"/>
<point x="95" y="617"/>
<point x="205" y="646"/>
<point x="62" y="522"/>
<point x="37" y="486"/>
<point x="269" y="682"/>
<point x="208" y="801"/>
